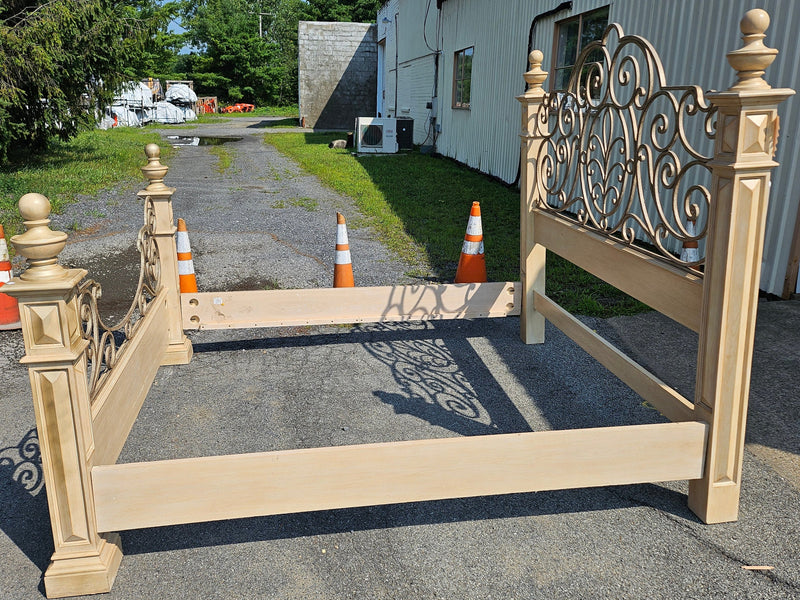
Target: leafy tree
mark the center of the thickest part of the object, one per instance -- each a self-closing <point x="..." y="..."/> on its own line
<point x="357" y="11"/>
<point x="233" y="62"/>
<point x="59" y="59"/>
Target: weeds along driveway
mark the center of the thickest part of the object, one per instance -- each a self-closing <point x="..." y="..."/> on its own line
<point x="259" y="222"/>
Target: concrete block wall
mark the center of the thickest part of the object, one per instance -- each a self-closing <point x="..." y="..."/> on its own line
<point x="337" y="73"/>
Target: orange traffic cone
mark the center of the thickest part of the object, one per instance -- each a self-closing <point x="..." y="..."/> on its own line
<point x="690" y="252"/>
<point x="472" y="264"/>
<point x="343" y="265"/>
<point x="186" y="276"/>
<point x="9" y="308"/>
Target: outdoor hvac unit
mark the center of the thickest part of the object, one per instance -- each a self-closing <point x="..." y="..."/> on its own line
<point x="377" y="135"/>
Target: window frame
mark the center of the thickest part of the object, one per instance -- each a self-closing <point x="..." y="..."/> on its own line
<point x="456" y="102"/>
<point x="555" y="68"/>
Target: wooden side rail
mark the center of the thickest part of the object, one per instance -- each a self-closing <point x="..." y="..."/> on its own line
<point x="136" y="495"/>
<point x="120" y="398"/>
<point x="278" y="308"/>
<point x="666" y="400"/>
<point x="670" y="290"/>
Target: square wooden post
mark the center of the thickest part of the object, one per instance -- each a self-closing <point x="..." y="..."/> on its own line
<point x="744" y="147"/>
<point x="84" y="562"/>
<point x="158" y="209"/>
<point x="531" y="254"/>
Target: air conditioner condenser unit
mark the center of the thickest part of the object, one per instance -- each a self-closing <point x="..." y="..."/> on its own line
<point x="376" y="134"/>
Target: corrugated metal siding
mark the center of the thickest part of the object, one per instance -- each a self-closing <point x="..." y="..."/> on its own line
<point x="386" y="31"/>
<point x="485" y="137"/>
<point x="415" y="93"/>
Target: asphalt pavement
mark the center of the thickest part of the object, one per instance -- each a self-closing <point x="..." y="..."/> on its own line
<point x="264" y="223"/>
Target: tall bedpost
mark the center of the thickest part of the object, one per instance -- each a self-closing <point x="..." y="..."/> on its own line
<point x="84" y="562"/>
<point x="159" y="197"/>
<point x="531" y="254"/>
<point x="747" y="122"/>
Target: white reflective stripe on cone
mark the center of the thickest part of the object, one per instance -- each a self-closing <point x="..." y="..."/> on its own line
<point x="690" y="255"/>
<point x="474" y="226"/>
<point x="472" y="248"/>
<point x="182" y="242"/>
<point x="185" y="267"/>
<point x="343" y="257"/>
<point x="341" y="233"/>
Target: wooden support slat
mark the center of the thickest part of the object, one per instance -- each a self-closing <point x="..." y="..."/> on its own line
<point x="131" y="496"/>
<point x="320" y="306"/>
<point x="666" y="400"/>
<point x="672" y="291"/>
<point x="118" y="401"/>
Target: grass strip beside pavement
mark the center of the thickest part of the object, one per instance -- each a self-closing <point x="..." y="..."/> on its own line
<point x="419" y="205"/>
<point x="92" y="161"/>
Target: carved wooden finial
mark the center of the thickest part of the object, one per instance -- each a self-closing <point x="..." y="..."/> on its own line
<point x="154" y="171"/>
<point x="754" y="57"/>
<point x="535" y="76"/>
<point x="39" y="244"/>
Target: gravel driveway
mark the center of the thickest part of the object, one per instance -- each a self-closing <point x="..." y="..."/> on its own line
<point x="260" y="223"/>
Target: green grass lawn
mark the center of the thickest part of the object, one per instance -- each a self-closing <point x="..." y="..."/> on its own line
<point x="420" y="205"/>
<point x="93" y="161"/>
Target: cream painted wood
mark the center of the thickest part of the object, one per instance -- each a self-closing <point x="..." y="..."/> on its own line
<point x="276" y="308"/>
<point x="136" y="495"/>
<point x="747" y="118"/>
<point x="84" y="562"/>
<point x="532" y="253"/>
<point x="179" y="351"/>
<point x="118" y="401"/>
<point x="667" y="401"/>
<point x="670" y="290"/>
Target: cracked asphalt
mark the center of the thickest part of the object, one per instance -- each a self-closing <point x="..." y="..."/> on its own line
<point x="265" y="223"/>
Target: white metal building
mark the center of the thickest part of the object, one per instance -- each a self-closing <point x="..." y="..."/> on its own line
<point x="424" y="47"/>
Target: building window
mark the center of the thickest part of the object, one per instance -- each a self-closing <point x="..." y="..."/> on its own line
<point x="462" y="78"/>
<point x="571" y="36"/>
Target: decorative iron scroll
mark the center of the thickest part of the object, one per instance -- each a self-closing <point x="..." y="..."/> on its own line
<point x="106" y="343"/>
<point x="624" y="153"/>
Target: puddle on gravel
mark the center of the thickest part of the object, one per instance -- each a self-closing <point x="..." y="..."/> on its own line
<point x="190" y="140"/>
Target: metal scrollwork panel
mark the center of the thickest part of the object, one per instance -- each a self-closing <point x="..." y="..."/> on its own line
<point x="624" y="153"/>
<point x="106" y="342"/>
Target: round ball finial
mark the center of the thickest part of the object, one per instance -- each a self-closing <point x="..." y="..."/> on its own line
<point x="152" y="151"/>
<point x="34" y="207"/>
<point x="755" y="21"/>
<point x="39" y="244"/>
<point x="154" y="171"/>
<point x="752" y="59"/>
<point x="535" y="76"/>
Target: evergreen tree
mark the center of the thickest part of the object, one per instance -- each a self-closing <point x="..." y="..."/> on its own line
<point x="61" y="59"/>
